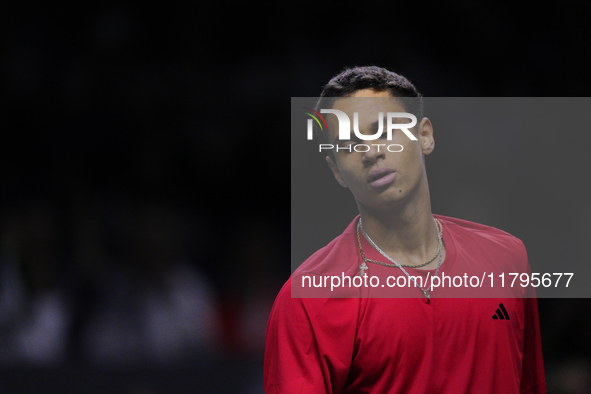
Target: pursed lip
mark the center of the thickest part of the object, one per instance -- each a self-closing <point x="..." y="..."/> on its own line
<point x="378" y="173"/>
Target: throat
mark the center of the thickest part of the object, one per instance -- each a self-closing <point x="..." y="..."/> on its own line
<point x="422" y="249"/>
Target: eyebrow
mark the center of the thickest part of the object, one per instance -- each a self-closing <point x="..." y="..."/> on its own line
<point x="374" y="126"/>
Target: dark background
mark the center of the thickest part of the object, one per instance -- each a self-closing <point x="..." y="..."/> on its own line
<point x="144" y="210"/>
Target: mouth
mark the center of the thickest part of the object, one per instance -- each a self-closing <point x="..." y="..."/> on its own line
<point x="381" y="177"/>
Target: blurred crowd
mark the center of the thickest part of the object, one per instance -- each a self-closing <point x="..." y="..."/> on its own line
<point x="127" y="237"/>
<point x="114" y="283"/>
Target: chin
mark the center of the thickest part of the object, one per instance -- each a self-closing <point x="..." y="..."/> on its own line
<point x="388" y="202"/>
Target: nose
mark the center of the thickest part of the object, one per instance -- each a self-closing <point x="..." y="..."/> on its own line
<point x="375" y="152"/>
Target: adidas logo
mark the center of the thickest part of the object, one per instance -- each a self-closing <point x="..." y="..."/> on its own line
<point x="501" y="313"/>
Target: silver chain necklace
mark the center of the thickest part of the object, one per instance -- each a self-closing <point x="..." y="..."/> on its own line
<point x="376" y="247"/>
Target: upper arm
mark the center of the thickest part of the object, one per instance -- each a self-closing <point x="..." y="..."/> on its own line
<point x="532" y="371"/>
<point x="309" y="345"/>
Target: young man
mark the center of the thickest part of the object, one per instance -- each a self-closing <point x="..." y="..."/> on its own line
<point x="358" y="341"/>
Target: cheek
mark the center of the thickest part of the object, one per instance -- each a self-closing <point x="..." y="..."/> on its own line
<point x="412" y="154"/>
<point x="349" y="177"/>
<point x="352" y="177"/>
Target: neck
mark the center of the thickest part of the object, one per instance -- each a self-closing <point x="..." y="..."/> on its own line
<point x="406" y="231"/>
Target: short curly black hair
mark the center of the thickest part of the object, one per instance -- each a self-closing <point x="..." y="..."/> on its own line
<point x="379" y="79"/>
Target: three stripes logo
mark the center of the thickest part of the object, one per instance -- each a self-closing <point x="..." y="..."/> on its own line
<point x="501" y="313"/>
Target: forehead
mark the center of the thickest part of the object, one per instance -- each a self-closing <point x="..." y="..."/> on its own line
<point x="368" y="102"/>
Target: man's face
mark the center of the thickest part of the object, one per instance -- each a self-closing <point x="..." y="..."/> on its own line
<point x="379" y="178"/>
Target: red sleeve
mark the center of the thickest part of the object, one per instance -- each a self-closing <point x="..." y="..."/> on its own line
<point x="532" y="372"/>
<point x="309" y="344"/>
<point x="533" y="380"/>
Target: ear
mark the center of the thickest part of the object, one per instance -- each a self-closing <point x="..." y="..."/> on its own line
<point x="336" y="172"/>
<point x="426" y="136"/>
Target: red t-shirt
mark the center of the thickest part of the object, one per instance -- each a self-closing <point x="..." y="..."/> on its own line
<point x="405" y="345"/>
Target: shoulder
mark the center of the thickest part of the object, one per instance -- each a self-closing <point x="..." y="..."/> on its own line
<point x="294" y="310"/>
<point x="340" y="255"/>
<point x="321" y="275"/>
<point x="285" y="304"/>
<point x="486" y="238"/>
